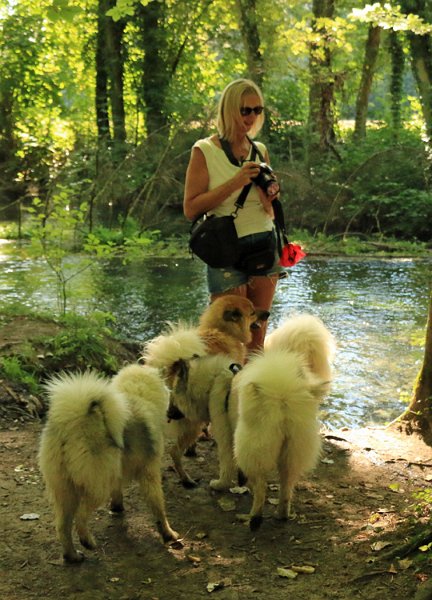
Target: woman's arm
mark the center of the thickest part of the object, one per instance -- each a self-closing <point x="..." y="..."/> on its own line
<point x="198" y="199"/>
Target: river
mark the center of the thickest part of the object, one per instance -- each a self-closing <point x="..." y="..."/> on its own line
<point x="375" y="308"/>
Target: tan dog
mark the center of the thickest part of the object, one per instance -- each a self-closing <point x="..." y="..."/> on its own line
<point x="224" y="329"/>
<point x="226" y="324"/>
<point x="98" y="435"/>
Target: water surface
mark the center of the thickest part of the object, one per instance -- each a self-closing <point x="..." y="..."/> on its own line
<point x="375" y="308"/>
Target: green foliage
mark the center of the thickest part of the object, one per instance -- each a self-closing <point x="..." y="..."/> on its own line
<point x="12" y="369"/>
<point x="381" y="186"/>
<point x="82" y="343"/>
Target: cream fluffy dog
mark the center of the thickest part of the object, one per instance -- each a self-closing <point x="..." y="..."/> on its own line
<point x="277" y="428"/>
<point x="224" y="329"/>
<point x="307" y="335"/>
<point x="193" y="393"/>
<point x="178" y="343"/>
<point x="100" y="434"/>
<point x="201" y="392"/>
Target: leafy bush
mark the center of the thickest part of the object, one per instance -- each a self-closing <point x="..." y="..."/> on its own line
<point x="11" y="368"/>
<point x="82" y="344"/>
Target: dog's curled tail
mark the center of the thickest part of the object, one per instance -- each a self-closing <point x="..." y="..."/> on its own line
<point x="307" y="335"/>
<point x="87" y="403"/>
<point x="179" y="342"/>
<point x="83" y="437"/>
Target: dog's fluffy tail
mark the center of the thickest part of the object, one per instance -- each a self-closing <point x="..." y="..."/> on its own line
<point x="307" y="335"/>
<point x="83" y="436"/>
<point x="278" y="405"/>
<point x="178" y="342"/>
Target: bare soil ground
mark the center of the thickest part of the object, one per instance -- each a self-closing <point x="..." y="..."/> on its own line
<point x="354" y="509"/>
<point x="351" y="512"/>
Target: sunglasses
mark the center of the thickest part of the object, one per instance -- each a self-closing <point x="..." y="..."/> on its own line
<point x="245" y="111"/>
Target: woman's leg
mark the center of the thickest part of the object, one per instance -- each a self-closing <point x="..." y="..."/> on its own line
<point x="260" y="291"/>
<point x="240" y="290"/>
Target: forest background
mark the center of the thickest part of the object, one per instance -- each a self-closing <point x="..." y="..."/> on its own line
<point x="101" y="101"/>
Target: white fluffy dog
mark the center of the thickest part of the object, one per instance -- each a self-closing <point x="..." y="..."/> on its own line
<point x="100" y="433"/>
<point x="179" y="343"/>
<point x="202" y="391"/>
<point x="277" y="428"/>
<point x="307" y="335"/>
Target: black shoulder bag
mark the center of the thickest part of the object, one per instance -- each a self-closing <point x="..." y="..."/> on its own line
<point x="214" y="239"/>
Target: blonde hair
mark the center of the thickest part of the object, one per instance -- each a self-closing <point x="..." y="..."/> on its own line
<point x="229" y="108"/>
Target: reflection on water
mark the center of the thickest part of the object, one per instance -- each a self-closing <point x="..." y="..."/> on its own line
<point x="372" y="306"/>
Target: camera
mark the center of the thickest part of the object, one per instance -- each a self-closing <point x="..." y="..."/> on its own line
<point x="267" y="180"/>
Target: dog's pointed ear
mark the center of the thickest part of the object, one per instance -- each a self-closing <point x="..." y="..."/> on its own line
<point x="232" y="314"/>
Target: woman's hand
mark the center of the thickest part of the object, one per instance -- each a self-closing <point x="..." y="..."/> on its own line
<point x="248" y="171"/>
<point x="266" y="201"/>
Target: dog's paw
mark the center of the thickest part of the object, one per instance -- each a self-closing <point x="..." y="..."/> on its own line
<point x="189" y="483"/>
<point x="88" y="542"/>
<point x="167" y="534"/>
<point x="220" y="485"/>
<point x="285" y="516"/>
<point x="73" y="558"/>
<point x="255" y="522"/>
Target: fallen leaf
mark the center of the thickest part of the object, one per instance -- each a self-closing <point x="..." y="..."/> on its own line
<point x="377" y="546"/>
<point x="405" y="564"/>
<point x="303" y="568"/>
<point x="396" y="488"/>
<point x="226" y="504"/>
<point x="212" y="586"/>
<point x="30" y="517"/>
<point x="239" y="490"/>
<point x="273" y="501"/>
<point x="288" y="573"/>
<point x="193" y="559"/>
<point x="201" y="535"/>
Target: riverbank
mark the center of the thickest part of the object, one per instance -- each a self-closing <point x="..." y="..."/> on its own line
<point x="352" y="515"/>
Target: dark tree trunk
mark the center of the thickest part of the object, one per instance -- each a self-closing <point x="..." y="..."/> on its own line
<point x="115" y="67"/>
<point x="368" y="70"/>
<point x="101" y="95"/>
<point x="156" y="70"/>
<point x="251" y="40"/>
<point x="396" y="83"/>
<point x="421" y="58"/>
<point x="321" y="91"/>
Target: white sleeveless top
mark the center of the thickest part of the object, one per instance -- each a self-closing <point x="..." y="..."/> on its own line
<point x="252" y="218"/>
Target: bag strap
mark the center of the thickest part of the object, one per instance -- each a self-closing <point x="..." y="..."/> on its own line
<point x="226" y="147"/>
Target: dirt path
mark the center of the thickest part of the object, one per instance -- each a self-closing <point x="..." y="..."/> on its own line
<point x="359" y="498"/>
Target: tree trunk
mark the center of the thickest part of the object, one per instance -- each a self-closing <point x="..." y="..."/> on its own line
<point x="419" y="415"/>
<point x="421" y="59"/>
<point x="101" y="93"/>
<point x="115" y="64"/>
<point x="156" y="68"/>
<point x="369" y="63"/>
<point x="251" y="39"/>
<point x="321" y="91"/>
<point x="396" y="84"/>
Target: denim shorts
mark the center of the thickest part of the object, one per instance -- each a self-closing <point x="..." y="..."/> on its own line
<point x="227" y="278"/>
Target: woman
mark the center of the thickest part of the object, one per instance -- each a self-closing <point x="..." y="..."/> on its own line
<point x="213" y="184"/>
